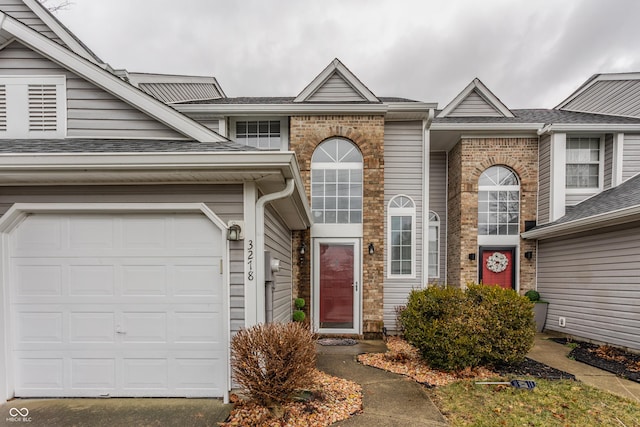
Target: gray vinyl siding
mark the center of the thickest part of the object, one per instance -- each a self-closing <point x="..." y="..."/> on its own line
<point x="608" y="161"/>
<point x="544" y="183"/>
<point x="91" y="112"/>
<point x="474" y="106"/>
<point x="617" y="97"/>
<point x="335" y="89"/>
<point x="278" y="242"/>
<point x="630" y="156"/>
<point x="212" y="123"/>
<point x="438" y="204"/>
<point x="18" y="10"/>
<point x="402" y="175"/>
<point x="593" y="280"/>
<point x="574" y="199"/>
<point x="224" y="200"/>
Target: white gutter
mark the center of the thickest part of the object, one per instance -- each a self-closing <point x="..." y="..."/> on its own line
<point x="260" y="264"/>
<point x="589" y="127"/>
<point x="620" y="216"/>
<point x="288" y="109"/>
<point x="486" y="126"/>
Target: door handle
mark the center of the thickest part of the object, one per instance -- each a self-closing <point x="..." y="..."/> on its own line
<point x="355" y="286"/>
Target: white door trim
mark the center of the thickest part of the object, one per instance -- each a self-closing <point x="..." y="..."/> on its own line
<point x="19" y="211"/>
<point x="357" y="273"/>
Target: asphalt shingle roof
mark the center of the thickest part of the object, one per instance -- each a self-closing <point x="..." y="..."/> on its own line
<point x="115" y="146"/>
<point x="625" y="195"/>
<point x="546" y="116"/>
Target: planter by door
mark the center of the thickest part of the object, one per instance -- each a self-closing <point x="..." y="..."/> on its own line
<point x="540" y="314"/>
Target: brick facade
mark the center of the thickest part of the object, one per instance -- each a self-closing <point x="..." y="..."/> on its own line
<point x="467" y="160"/>
<point x="367" y="132"/>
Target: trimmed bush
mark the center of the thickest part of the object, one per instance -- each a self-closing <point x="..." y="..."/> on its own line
<point x="299" y="303"/>
<point x="299" y="316"/>
<point x="273" y="361"/>
<point x="532" y="295"/>
<point x="454" y="329"/>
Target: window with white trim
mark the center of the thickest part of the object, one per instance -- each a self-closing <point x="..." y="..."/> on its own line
<point x="32" y="107"/>
<point x="401" y="236"/>
<point x="263" y="134"/>
<point x="498" y="202"/>
<point x="434" y="245"/>
<point x="336" y="183"/>
<point x="583" y="163"/>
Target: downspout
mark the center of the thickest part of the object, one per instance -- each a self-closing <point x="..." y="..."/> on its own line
<point x="426" y="167"/>
<point x="260" y="264"/>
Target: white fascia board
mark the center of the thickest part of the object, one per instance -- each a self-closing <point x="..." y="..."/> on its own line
<point x="487" y="126"/>
<point x="593" y="127"/>
<point x="222" y="160"/>
<point x="108" y="82"/>
<point x="59" y="30"/>
<point x="282" y="109"/>
<point x="608" y="219"/>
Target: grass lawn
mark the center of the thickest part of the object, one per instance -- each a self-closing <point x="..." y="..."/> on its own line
<point x="551" y="403"/>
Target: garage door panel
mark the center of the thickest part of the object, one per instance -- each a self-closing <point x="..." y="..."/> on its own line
<point x="92" y="327"/>
<point x="91" y="280"/>
<point x="124" y="305"/>
<point x="39" y="327"/>
<point x="37" y="280"/>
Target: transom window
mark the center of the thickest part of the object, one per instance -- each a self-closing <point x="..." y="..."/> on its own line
<point x="583" y="162"/>
<point x="498" y="202"/>
<point x="336" y="183"/>
<point x="434" y="245"/>
<point x="259" y="133"/>
<point x="402" y="221"/>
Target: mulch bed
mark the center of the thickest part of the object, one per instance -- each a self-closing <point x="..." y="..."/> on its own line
<point x="535" y="369"/>
<point x="617" y="361"/>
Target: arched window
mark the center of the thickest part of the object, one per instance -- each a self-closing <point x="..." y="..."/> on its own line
<point x="401" y="236"/>
<point x="336" y="183"/>
<point x="498" y="202"/>
<point x="434" y="245"/>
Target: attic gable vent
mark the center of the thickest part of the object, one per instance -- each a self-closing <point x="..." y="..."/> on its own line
<point x="42" y="108"/>
<point x="3" y="108"/>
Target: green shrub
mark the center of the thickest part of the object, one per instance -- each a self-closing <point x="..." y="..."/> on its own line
<point x="299" y="303"/>
<point x="298" y="316"/>
<point x="532" y="295"/>
<point x="454" y="329"/>
<point x="273" y="361"/>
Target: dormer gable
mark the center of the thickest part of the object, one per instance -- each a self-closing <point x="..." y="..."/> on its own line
<point x="336" y="83"/>
<point x="476" y="100"/>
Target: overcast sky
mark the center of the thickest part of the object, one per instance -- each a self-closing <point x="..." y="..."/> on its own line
<point x="530" y="53"/>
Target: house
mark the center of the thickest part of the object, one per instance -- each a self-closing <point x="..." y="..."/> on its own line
<point x="145" y="218"/>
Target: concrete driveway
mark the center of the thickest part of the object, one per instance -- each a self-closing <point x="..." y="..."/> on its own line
<point x="113" y="412"/>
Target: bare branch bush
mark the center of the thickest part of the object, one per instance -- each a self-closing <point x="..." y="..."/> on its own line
<point x="274" y="361"/>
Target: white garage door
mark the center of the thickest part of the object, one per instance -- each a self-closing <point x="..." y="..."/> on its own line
<point x="117" y="305"/>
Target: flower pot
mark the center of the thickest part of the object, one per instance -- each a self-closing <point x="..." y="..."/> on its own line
<point x="540" y="314"/>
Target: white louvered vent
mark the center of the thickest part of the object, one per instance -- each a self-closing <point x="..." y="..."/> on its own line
<point x="43" y="108"/>
<point x="3" y="108"/>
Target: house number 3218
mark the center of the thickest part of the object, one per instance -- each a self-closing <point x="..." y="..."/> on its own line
<point x="250" y="260"/>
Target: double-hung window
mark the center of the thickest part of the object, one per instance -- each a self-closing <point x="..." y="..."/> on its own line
<point x="401" y="237"/>
<point x="32" y="107"/>
<point x="583" y="163"/>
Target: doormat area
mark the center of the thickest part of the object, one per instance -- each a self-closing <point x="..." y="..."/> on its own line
<point x="337" y="341"/>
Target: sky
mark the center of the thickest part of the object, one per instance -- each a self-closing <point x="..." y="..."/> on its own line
<point x="529" y="53"/>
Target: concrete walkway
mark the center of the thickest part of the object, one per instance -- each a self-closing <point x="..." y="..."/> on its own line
<point x="555" y="355"/>
<point x="389" y="400"/>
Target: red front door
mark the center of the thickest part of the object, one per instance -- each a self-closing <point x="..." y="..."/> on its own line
<point x="497" y="267"/>
<point x="336" y="285"/>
